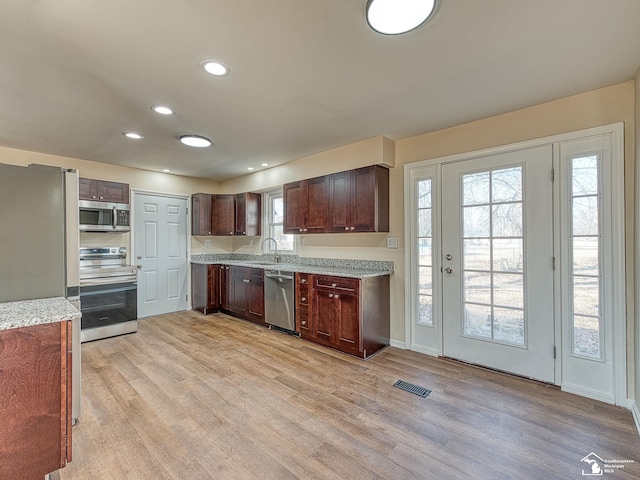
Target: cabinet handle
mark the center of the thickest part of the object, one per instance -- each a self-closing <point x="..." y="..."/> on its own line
<point x="301" y="230"/>
<point x="101" y="198"/>
<point x="346" y="228"/>
<point x="246" y="281"/>
<point x="93" y="196"/>
<point x="331" y="295"/>
<point x="353" y="228"/>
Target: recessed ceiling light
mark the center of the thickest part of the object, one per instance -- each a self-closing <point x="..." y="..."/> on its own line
<point x="133" y="135"/>
<point x="264" y="164"/>
<point x="250" y="168"/>
<point x="195" y="141"/>
<point x="216" y="68"/>
<point x="166" y="170"/>
<point x="393" y="17"/>
<point x="162" y="110"/>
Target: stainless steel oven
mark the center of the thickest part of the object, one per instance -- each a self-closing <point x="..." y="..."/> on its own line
<point x="108" y="293"/>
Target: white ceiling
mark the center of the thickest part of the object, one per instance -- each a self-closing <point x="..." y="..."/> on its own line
<point x="306" y="75"/>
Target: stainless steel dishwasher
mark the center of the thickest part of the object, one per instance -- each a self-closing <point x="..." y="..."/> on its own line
<point x="279" y="300"/>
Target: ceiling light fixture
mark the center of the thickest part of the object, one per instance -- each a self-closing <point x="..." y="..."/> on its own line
<point x="162" y="110"/>
<point x="133" y="135"/>
<point x="166" y="170"/>
<point x="394" y="17"/>
<point x="250" y="169"/>
<point x="216" y="68"/>
<point x="195" y="141"/>
<point x="264" y="164"/>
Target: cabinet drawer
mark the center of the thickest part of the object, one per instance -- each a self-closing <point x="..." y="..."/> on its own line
<point x="302" y="296"/>
<point x="303" y="279"/>
<point x="302" y="319"/>
<point x="342" y="284"/>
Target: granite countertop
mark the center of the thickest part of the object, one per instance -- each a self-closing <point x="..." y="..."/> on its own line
<point x="292" y="263"/>
<point x="27" y="313"/>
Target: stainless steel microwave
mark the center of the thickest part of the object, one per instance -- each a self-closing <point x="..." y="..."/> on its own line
<point x="104" y="217"/>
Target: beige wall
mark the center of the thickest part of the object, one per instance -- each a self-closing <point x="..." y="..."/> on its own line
<point x="635" y="332"/>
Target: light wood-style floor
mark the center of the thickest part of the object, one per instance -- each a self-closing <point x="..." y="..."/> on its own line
<point x="191" y="397"/>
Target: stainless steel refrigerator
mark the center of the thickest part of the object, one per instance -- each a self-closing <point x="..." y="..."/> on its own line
<point x="39" y="242"/>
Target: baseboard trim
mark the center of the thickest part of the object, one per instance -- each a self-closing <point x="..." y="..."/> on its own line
<point x="433" y="352"/>
<point x="633" y="406"/>
<point x="588" y="393"/>
<point x="398" y="344"/>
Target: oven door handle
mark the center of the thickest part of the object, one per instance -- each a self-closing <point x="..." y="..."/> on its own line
<point x="92" y="282"/>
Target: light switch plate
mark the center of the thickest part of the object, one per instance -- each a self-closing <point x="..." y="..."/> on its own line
<point x="392" y="242"/>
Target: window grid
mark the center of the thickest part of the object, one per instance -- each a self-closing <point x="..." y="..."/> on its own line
<point x="286" y="242"/>
<point x="425" y="250"/>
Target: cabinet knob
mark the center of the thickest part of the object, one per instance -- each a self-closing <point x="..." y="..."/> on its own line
<point x="101" y="198"/>
<point x="331" y="295"/>
<point x="353" y="228"/>
<point x="230" y="233"/>
<point x="303" y="280"/>
<point x="304" y="322"/>
<point x="245" y="280"/>
<point x="93" y="196"/>
<point x="346" y="228"/>
<point x="300" y="230"/>
<point x="303" y="299"/>
<point x="333" y="285"/>
<point x="336" y="296"/>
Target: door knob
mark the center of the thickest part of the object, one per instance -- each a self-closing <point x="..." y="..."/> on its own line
<point x="138" y="266"/>
<point x="139" y="257"/>
<point x="448" y="256"/>
<point x="448" y="270"/>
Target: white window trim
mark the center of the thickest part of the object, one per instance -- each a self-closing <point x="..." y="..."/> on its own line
<point x="266" y="221"/>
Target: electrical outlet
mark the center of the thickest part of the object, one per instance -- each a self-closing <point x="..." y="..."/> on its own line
<point x="392" y="242"/>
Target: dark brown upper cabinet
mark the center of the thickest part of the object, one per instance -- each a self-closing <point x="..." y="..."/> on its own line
<point x="103" y="191"/>
<point x="306" y="206"/>
<point x="226" y="215"/>
<point x="201" y="214"/>
<point x="359" y="200"/>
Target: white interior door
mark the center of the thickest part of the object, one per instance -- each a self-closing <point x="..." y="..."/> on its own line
<point x="161" y="253"/>
<point x="497" y="261"/>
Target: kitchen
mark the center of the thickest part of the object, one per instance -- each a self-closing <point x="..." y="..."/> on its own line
<point x="562" y="114"/>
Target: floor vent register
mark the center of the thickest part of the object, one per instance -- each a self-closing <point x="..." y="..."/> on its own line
<point x="411" y="388"/>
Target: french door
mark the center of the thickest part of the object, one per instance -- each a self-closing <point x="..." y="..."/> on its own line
<point x="515" y="260"/>
<point x="497" y="262"/>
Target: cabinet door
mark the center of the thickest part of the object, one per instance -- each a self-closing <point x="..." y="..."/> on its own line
<point x="199" y="287"/>
<point x="347" y="322"/>
<point x="201" y="214"/>
<point x="324" y="313"/>
<point x="340" y="202"/>
<point x="255" y="303"/>
<point x="113" y="192"/>
<point x="225" y="288"/>
<point x="370" y="199"/>
<point x="317" y="205"/>
<point x="87" y="189"/>
<point x="293" y="208"/>
<point x="239" y="291"/>
<point x="213" y="288"/>
<point x="223" y="215"/>
<point x="248" y="207"/>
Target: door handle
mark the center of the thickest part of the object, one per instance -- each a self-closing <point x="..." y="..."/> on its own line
<point x="138" y="266"/>
<point x="448" y="270"/>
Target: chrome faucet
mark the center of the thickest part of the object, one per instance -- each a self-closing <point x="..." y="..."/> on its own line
<point x="276" y="247"/>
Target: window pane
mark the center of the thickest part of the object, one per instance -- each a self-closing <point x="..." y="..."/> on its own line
<point x="508" y="290"/>
<point x="476" y="188"/>
<point x="586" y="296"/>
<point x="424" y="194"/>
<point x="277" y="206"/>
<point x="424" y="251"/>
<point x="508" y="326"/>
<point x="507" y="220"/>
<point x="477" y="321"/>
<point x="585" y="216"/>
<point x="585" y="256"/>
<point x="477" y="254"/>
<point x="424" y="223"/>
<point x="285" y="242"/>
<point x="508" y="255"/>
<point x="476" y="221"/>
<point x="425" y="310"/>
<point x="585" y="175"/>
<point x="425" y="275"/>
<point x="477" y="287"/>
<point x="586" y="336"/>
<point x="506" y="185"/>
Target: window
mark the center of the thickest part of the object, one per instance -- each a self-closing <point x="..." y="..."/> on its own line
<point x="275" y="219"/>
<point x="425" y="265"/>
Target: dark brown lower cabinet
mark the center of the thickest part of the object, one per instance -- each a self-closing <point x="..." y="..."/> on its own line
<point x="205" y="288"/>
<point x="351" y="315"/>
<point x="246" y="293"/>
<point x="35" y="400"/>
